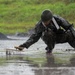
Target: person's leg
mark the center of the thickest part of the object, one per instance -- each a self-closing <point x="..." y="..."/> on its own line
<point x="61" y="38"/>
<point x="49" y="39"/>
<point x="71" y="39"/>
<point x="66" y="37"/>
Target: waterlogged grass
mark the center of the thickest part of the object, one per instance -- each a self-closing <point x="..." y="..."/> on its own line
<point x="2" y="60"/>
<point x="57" y="59"/>
<point x="36" y="60"/>
<point x="21" y="15"/>
<point x="64" y="60"/>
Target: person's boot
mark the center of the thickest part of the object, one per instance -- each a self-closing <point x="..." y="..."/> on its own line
<point x="48" y="51"/>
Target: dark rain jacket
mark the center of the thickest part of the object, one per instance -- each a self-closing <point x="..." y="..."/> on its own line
<point x="40" y="28"/>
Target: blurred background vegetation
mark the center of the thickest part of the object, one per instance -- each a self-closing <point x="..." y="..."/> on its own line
<point x="21" y="15"/>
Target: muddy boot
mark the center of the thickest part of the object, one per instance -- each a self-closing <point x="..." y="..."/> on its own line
<point x="48" y="51"/>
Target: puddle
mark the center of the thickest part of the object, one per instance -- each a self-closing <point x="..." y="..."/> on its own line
<point x="34" y="61"/>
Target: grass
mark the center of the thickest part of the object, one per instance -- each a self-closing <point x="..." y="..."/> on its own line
<point x="12" y="28"/>
<point x="21" y="15"/>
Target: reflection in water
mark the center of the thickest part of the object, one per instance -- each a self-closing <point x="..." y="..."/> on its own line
<point x="56" y="71"/>
<point x="50" y="61"/>
<point x="51" y="68"/>
<point x="72" y="61"/>
<point x="15" y="65"/>
<point x="37" y="63"/>
<point x="22" y="65"/>
<point x="53" y="60"/>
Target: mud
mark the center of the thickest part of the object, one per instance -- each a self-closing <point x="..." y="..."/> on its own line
<point x="34" y="61"/>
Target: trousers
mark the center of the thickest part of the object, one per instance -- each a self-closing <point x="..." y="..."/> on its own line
<point x="51" y="38"/>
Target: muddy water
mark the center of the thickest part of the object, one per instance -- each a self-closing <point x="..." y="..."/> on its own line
<point x="34" y="61"/>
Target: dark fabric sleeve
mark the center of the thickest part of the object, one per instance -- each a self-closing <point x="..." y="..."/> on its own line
<point x="33" y="38"/>
<point x="64" y="23"/>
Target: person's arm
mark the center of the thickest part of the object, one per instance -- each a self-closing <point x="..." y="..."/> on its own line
<point x="33" y="38"/>
<point x="66" y="25"/>
<point x="63" y="23"/>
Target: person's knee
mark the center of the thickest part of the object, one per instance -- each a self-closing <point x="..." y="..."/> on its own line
<point x="72" y="43"/>
<point x="69" y="36"/>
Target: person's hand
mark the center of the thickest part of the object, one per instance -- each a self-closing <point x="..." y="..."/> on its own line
<point x="19" y="48"/>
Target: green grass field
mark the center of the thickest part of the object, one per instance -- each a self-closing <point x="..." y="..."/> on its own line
<point x="21" y="15"/>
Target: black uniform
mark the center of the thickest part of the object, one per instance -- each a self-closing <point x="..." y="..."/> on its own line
<point x="50" y="34"/>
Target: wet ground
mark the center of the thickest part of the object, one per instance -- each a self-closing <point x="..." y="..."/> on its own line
<point x="34" y="61"/>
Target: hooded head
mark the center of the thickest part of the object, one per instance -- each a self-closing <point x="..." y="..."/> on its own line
<point x="46" y="15"/>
